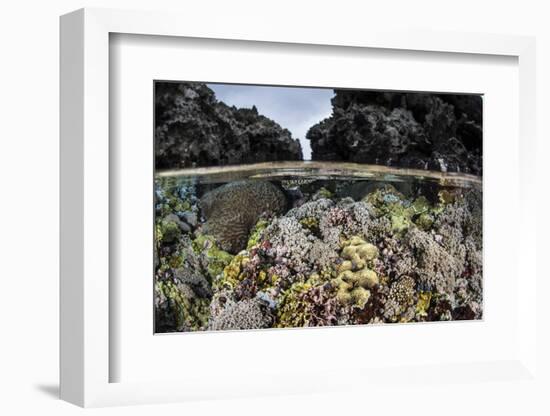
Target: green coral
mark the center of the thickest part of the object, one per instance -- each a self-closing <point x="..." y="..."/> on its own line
<point x="216" y="258"/>
<point x="293" y="307"/>
<point x="446" y="197"/>
<point x="310" y="223"/>
<point x="256" y="233"/>
<point x="179" y="304"/>
<point x="323" y="193"/>
<point x="392" y="204"/>
<point x="232" y="273"/>
<point x="168" y="231"/>
<point x="172" y="202"/>
<point x="402" y="212"/>
<point x="423" y="303"/>
<point x="309" y="303"/>
<point x="424" y="221"/>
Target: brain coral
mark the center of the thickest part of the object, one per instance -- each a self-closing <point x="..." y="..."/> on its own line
<point x="232" y="210"/>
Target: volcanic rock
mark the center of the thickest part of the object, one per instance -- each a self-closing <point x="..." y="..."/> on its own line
<point x="415" y="130"/>
<point x="194" y="129"/>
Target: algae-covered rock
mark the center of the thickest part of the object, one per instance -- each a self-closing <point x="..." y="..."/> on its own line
<point x="177" y="308"/>
<point x="169" y="229"/>
<point x="216" y="258"/>
<point x="401" y="211"/>
<point x="256" y="233"/>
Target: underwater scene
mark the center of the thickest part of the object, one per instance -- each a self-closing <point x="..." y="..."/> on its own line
<point x="366" y="208"/>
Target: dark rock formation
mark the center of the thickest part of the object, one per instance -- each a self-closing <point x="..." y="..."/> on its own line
<point x="193" y="129"/>
<point x="415" y="130"/>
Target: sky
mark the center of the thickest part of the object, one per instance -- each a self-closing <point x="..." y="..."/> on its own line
<point x="296" y="109"/>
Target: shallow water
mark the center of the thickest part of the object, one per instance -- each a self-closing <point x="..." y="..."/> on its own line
<point x="320" y="170"/>
<point x="293" y="244"/>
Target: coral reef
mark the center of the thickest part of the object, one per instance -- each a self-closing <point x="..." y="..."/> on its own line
<point x="237" y="257"/>
<point x="215" y="258"/>
<point x="400" y="299"/>
<point x="194" y="129"/>
<point x="306" y="304"/>
<point x="178" y="308"/>
<point x="245" y="314"/>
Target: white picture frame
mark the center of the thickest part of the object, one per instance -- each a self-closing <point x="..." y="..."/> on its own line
<point x="85" y="211"/>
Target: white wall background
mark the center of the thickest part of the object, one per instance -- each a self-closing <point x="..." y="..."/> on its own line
<point x="29" y="181"/>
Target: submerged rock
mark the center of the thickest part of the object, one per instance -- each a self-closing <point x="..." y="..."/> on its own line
<point x="232" y="210"/>
<point x="423" y="131"/>
<point x="194" y="129"/>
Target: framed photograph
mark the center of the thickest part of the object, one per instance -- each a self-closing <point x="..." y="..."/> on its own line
<point x="321" y="214"/>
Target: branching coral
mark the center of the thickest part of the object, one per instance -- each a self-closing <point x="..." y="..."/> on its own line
<point x="307" y="304"/>
<point x="435" y="266"/>
<point x="400" y="300"/>
<point x="290" y="244"/>
<point x="245" y="314"/>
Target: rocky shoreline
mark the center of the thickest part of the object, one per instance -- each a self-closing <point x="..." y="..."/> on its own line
<point x="436" y="132"/>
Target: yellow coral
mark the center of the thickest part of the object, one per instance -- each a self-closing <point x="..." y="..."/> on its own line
<point x="232" y="271"/>
<point x="345" y="266"/>
<point x="359" y="251"/>
<point x="343" y="296"/>
<point x="354" y="277"/>
<point x="311" y="223"/>
<point x="367" y="278"/>
<point x="424" y="299"/>
<point x="360" y="296"/>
